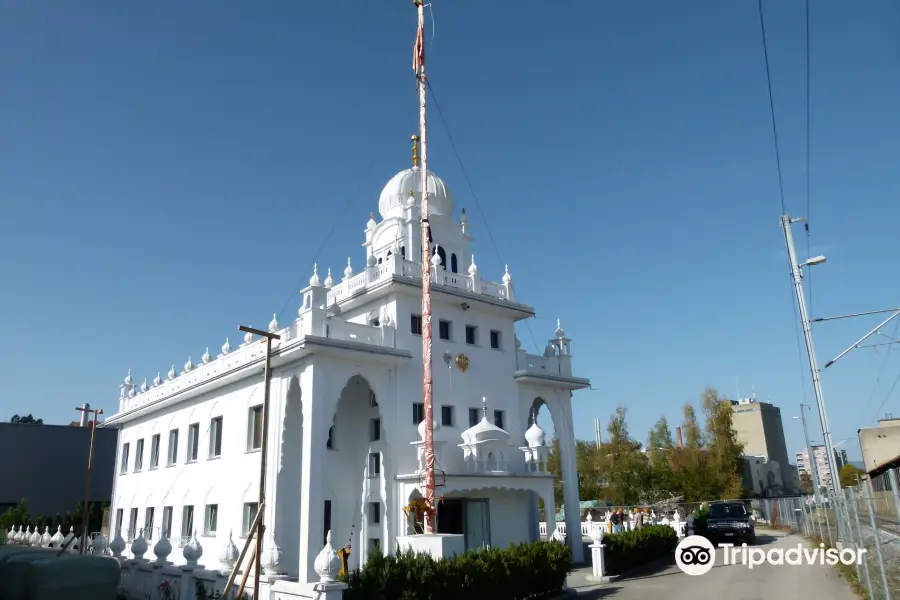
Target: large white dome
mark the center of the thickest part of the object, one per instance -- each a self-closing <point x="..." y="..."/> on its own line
<point x="395" y="194"/>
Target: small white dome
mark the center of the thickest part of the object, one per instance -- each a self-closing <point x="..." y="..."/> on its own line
<point x="439" y="433"/>
<point x="484" y="431"/>
<point x="395" y="195"/>
<point x="535" y="436"/>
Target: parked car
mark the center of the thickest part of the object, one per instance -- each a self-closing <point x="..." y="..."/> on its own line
<point x="730" y="521"/>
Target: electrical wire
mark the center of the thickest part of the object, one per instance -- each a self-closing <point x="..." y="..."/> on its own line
<point x="474" y="196"/>
<point x="762" y="25"/>
<point x="299" y="286"/>
<point x="808" y="177"/>
<point x="887" y="397"/>
<point x="880" y="373"/>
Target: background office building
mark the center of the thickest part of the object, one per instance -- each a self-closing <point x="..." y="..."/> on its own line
<point x="822" y="468"/>
<point x="759" y="428"/>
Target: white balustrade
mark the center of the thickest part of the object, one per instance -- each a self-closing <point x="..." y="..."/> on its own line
<point x="588" y="526"/>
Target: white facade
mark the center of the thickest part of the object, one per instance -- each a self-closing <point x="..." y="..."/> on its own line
<point x="822" y="468"/>
<point x="344" y="444"/>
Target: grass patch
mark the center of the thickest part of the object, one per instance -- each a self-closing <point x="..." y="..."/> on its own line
<point x="847" y="571"/>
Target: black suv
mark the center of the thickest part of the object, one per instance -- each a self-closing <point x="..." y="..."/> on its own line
<point x="730" y="522"/>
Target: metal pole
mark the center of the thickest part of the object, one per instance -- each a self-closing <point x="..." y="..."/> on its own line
<point x="869" y="493"/>
<point x="422" y="81"/>
<point x="260" y="526"/>
<point x="87" y="482"/>
<point x="854" y="505"/>
<point x="892" y="477"/>
<point x="813" y="471"/>
<point x="797" y="276"/>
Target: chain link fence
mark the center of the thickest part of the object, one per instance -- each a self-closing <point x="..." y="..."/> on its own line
<point x="862" y="517"/>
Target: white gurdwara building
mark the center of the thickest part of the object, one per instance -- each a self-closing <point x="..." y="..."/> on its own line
<point x="345" y="447"/>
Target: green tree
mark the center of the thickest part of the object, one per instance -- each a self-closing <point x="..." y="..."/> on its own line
<point x="25" y="420"/>
<point x="849" y="475"/>
<point x="15" y="516"/>
<point x="724" y="451"/>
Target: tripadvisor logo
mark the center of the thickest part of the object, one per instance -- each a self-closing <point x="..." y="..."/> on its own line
<point x="696" y="555"/>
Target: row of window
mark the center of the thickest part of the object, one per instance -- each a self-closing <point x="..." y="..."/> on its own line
<point x="448" y="415"/>
<point x="254" y="442"/>
<point x="445" y="332"/>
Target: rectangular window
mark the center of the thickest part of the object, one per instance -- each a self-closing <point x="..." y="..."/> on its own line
<point x="124" y="466"/>
<point x="415" y="324"/>
<point x="374" y="430"/>
<point x="374" y="464"/>
<point x="154" y="451"/>
<point x="447" y="416"/>
<point x="132" y="524"/>
<point x="173" y="448"/>
<point x="193" y="441"/>
<point x="120" y="515"/>
<point x="139" y="455"/>
<point x="474" y="417"/>
<point x="374" y="513"/>
<point x="187" y="524"/>
<point x="215" y="438"/>
<point x="418" y="412"/>
<point x="250" y="510"/>
<point x="444" y="329"/>
<point x="471" y="335"/>
<point x="211" y="519"/>
<point x="498" y="418"/>
<point x="495" y="339"/>
<point x="254" y="429"/>
<point x="148" y="523"/>
<point x="167" y="522"/>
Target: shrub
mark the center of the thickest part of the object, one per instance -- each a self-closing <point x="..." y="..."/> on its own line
<point x="631" y="549"/>
<point x="700" y="515"/>
<point x="525" y="571"/>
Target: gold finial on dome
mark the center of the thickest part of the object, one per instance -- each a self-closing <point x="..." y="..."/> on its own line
<point x="415" y="150"/>
<point x="371" y="215"/>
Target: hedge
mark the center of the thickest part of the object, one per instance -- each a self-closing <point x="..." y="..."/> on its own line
<point x="630" y="549"/>
<point x="700" y="517"/>
<point x="520" y="572"/>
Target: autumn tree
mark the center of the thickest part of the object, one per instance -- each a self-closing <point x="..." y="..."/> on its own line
<point x="849" y="475"/>
<point x="806" y="484"/>
<point x="725" y="453"/>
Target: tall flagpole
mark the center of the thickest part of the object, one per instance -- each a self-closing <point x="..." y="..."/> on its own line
<point x="419" y="69"/>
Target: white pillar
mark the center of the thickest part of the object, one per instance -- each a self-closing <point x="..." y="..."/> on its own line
<point x="316" y="422"/>
<point x="571" y="500"/>
<point x="598" y="567"/>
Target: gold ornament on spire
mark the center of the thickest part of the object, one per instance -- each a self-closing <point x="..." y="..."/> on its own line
<point x="415" y="150"/>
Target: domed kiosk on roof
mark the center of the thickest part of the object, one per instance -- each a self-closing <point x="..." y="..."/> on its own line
<point x="405" y="188"/>
<point x="537" y="452"/>
<point x="484" y="445"/>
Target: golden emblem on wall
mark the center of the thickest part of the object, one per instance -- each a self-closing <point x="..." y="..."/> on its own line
<point x="462" y="362"/>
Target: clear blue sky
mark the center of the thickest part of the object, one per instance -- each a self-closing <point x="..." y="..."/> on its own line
<point x="168" y="170"/>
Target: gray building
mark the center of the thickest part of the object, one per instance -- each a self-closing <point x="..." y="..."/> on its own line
<point x="47" y="464"/>
<point x="759" y="428"/>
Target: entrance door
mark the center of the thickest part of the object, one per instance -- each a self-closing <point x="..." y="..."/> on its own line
<point x="478" y="524"/>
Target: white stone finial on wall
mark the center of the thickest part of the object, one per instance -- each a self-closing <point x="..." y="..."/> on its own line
<point x="99" y="545"/>
<point x="560" y="333"/>
<point x="272" y="564"/>
<point x="162" y="549"/>
<point x="371" y="261"/>
<point x="128" y="379"/>
<point x="172" y="374"/>
<point x="507" y="278"/>
<point x="248" y="338"/>
<point x="189" y="365"/>
<point x="46" y="539"/>
<point x="348" y="270"/>
<point x="192" y="551"/>
<point x="206" y="356"/>
<point x="132" y="392"/>
<point x="436" y="260"/>
<point x="57" y="538"/>
<point x="328" y="563"/>
<point x="273" y="324"/>
<point x="230" y="553"/>
<point x="139" y="546"/>
<point x="314" y="280"/>
<point x="473" y="268"/>
<point x="226" y="347"/>
<point x="371" y="223"/>
<point x="157" y="381"/>
<point x="144" y="386"/>
<point x="116" y="546"/>
<point x="329" y="280"/>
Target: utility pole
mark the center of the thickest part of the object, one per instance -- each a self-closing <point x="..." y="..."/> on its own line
<point x="814" y="472"/>
<point x="797" y="276"/>
<point x="85" y="410"/>
<point x="267" y="378"/>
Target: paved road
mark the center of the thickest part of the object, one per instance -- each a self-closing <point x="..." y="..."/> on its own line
<point x="820" y="582"/>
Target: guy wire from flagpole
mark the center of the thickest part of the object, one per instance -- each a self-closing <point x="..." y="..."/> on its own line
<point x="419" y="69"/>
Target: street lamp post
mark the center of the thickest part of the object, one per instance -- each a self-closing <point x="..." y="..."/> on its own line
<point x="260" y="528"/>
<point x="797" y="276"/>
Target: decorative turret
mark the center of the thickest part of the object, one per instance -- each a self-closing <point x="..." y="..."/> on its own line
<point x="537" y="452"/>
<point x="484" y="445"/>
